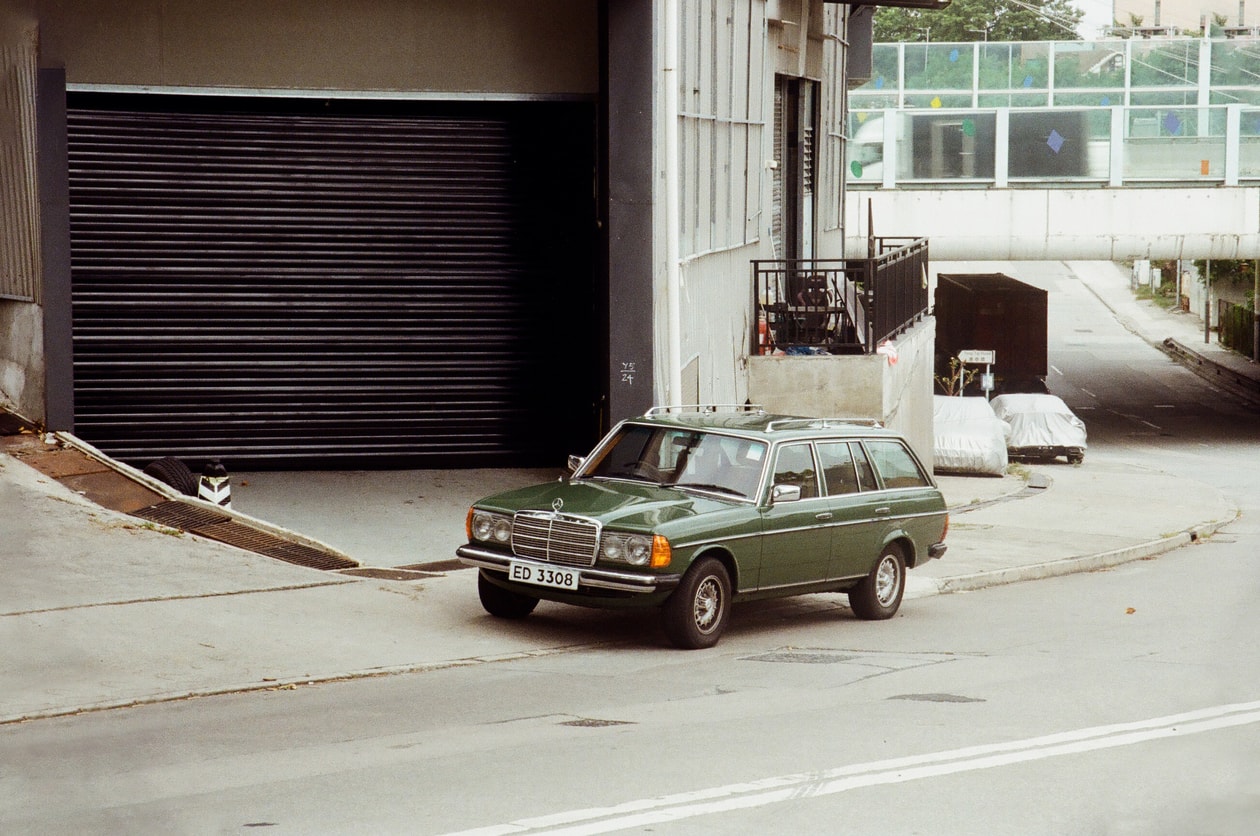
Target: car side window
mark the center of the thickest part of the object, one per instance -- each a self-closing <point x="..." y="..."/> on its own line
<point x="865" y="473"/>
<point x="795" y="466"/>
<point x="896" y="465"/>
<point x="839" y="474"/>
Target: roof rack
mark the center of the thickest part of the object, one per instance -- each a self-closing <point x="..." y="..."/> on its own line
<point x="704" y="407"/>
<point x="821" y="423"/>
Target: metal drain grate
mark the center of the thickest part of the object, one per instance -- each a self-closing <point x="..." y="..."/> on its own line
<point x="179" y="515"/>
<point x="591" y="723"/>
<point x="224" y="529"/>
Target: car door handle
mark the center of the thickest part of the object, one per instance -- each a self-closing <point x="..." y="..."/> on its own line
<point x="823" y="517"/>
<point x="883" y="510"/>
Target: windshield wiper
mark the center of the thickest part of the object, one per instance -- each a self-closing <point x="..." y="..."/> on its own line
<point x="707" y="486"/>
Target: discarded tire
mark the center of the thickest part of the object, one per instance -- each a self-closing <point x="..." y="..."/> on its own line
<point x="175" y="473"/>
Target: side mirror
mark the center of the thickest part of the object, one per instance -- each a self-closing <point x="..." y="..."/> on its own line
<point x="574" y="463"/>
<point x="785" y="493"/>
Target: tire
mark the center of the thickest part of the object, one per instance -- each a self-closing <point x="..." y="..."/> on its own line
<point x="1075" y="456"/>
<point x="878" y="596"/>
<point x="171" y="471"/>
<point x="503" y="603"/>
<point x="695" y="615"/>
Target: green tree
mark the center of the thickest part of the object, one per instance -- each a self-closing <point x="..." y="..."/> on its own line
<point x="978" y="20"/>
<point x="1236" y="272"/>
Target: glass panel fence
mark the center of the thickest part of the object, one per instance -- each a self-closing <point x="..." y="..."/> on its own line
<point x="1235" y="63"/>
<point x="1189" y="145"/>
<point x="1249" y="143"/>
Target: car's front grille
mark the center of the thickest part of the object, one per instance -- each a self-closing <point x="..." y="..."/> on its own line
<point x="555" y="538"/>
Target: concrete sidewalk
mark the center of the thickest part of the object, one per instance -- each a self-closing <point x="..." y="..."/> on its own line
<point x="100" y="609"/>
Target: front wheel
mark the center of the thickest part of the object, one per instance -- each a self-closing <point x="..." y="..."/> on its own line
<point x="878" y="596"/>
<point x="695" y="615"/>
<point x="503" y="603"/>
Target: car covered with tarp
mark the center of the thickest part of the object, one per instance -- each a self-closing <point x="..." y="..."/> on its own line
<point x="967" y="436"/>
<point x="1042" y="427"/>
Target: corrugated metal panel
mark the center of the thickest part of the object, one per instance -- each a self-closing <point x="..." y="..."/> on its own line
<point x="294" y="289"/>
<point x="19" y="236"/>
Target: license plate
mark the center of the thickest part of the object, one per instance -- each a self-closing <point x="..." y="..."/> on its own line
<point x="544" y="575"/>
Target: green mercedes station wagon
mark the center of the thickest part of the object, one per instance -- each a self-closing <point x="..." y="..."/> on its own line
<point x="688" y="509"/>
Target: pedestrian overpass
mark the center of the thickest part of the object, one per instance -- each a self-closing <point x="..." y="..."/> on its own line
<point x="1086" y="150"/>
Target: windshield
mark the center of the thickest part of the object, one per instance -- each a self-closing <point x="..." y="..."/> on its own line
<point x="682" y="458"/>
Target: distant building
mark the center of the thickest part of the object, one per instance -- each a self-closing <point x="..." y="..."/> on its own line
<point x="1158" y="18"/>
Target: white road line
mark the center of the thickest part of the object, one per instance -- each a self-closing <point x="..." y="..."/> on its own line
<point x="649" y="811"/>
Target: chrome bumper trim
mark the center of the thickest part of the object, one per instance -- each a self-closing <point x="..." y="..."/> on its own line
<point x="593" y="578"/>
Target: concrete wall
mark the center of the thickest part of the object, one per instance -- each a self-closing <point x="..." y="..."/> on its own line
<point x="542" y="47"/>
<point x="1220" y="222"/>
<point x="630" y="233"/>
<point x="21" y="317"/>
<point x="897" y="394"/>
<point x="22" y="359"/>
<point x="717" y="322"/>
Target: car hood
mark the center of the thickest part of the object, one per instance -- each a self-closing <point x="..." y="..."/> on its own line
<point x="631" y="505"/>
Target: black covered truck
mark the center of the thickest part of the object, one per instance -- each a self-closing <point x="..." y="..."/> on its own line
<point x="992" y="312"/>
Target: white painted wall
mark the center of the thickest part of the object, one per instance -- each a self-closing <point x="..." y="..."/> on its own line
<point x="727" y="150"/>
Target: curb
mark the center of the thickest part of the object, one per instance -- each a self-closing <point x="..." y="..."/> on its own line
<point x="1212" y="371"/>
<point x="1069" y="565"/>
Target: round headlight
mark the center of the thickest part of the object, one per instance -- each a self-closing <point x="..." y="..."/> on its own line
<point x="638" y="550"/>
<point x="482" y="525"/>
<point x="614" y="548"/>
<point x="502" y="529"/>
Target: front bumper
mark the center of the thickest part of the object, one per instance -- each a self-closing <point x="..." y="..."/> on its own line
<point x="591" y="578"/>
<point x="1042" y="451"/>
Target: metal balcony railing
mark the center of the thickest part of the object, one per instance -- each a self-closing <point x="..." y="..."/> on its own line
<point x="839" y="306"/>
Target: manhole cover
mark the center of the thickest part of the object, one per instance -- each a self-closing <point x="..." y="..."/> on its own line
<point x="800" y="658"/>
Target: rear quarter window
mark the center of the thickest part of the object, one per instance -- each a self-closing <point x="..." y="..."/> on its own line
<point x="896" y="466"/>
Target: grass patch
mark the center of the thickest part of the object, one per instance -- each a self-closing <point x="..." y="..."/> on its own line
<point x="1019" y="470"/>
<point x="1165" y="298"/>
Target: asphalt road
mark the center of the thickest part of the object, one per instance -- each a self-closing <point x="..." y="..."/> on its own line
<point x="1122" y="702"/>
<point x="1118" y="702"/>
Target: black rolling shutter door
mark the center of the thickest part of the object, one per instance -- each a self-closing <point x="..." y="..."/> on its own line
<point x="298" y="289"/>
